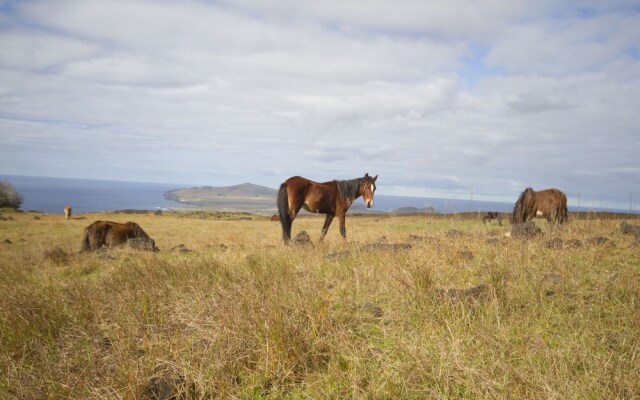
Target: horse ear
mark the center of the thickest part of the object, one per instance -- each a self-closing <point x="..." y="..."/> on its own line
<point x="375" y="178"/>
<point x="366" y="174"/>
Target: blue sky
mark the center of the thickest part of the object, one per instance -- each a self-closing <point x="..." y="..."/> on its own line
<point x="441" y="99"/>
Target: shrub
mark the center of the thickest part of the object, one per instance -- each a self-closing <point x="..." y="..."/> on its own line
<point x="9" y="197"/>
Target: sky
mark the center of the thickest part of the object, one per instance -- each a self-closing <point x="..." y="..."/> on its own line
<point x="451" y="99"/>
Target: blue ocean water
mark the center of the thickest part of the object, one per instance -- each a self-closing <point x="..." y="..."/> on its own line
<point x="50" y="195"/>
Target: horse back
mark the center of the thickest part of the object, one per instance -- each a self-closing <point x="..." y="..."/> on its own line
<point x="313" y="196"/>
<point x="551" y="198"/>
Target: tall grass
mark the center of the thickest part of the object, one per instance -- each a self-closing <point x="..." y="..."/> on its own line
<point x="255" y="319"/>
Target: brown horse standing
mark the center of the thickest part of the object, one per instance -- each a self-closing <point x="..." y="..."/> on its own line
<point x="492" y="215"/>
<point x="330" y="198"/>
<point x="549" y="203"/>
<point x="67" y="211"/>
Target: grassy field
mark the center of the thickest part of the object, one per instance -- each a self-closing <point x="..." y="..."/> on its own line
<point x="463" y="313"/>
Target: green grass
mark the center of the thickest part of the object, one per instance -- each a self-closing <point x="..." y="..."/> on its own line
<point x="259" y="320"/>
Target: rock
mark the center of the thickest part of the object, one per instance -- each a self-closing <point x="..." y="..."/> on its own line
<point x="338" y="255"/>
<point x="166" y="387"/>
<point x="373" y="309"/>
<point x="628" y="228"/>
<point x="598" y="241"/>
<point x="575" y="243"/>
<point x="525" y="230"/>
<point x="302" y="239"/>
<point x="386" y="246"/>
<point x="631" y="229"/>
<point x="219" y="246"/>
<point x="181" y="248"/>
<point x="425" y="239"/>
<point x="142" y="243"/>
<point x="474" y="293"/>
<point x="551" y="278"/>
<point x="555" y="243"/>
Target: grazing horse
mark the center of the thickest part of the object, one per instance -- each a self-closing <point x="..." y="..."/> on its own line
<point x="106" y="233"/>
<point x="549" y="203"/>
<point x="330" y="198"/>
<point x="67" y="211"/>
<point x="492" y="215"/>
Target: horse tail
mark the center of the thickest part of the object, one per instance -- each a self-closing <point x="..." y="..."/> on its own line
<point x="283" y="210"/>
<point x="519" y="210"/>
<point x="85" y="241"/>
<point x="564" y="212"/>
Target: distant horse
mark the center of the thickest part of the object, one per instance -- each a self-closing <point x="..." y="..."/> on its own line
<point x="330" y="198"/>
<point x="106" y="233"/>
<point x="491" y="216"/>
<point x="549" y="203"/>
<point x="67" y="211"/>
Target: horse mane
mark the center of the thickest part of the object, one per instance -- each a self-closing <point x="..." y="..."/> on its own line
<point x="349" y="190"/>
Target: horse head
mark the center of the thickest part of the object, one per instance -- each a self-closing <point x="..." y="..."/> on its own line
<point x="367" y="189"/>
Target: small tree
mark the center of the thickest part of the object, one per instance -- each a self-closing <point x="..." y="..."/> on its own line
<point x="9" y="197"/>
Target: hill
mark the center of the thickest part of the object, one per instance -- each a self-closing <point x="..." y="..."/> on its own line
<point x="244" y="197"/>
<point x="209" y="193"/>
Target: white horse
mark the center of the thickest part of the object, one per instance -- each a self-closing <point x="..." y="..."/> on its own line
<point x="67" y="211"/>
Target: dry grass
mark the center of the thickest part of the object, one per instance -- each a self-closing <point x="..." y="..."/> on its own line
<point x="255" y="319"/>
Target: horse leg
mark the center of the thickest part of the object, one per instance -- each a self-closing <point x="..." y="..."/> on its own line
<point x="325" y="228"/>
<point x="343" y="229"/>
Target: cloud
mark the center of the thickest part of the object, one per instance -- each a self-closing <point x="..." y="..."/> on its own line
<point x="435" y="97"/>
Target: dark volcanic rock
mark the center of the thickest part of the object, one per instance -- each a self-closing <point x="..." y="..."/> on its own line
<point x="598" y="241"/>
<point x="338" y="255"/>
<point x="555" y="243"/>
<point x="372" y="309"/>
<point x="302" y="239"/>
<point x="140" y="243"/>
<point x="386" y="246"/>
<point x="472" y="293"/>
<point x="525" y="230"/>
<point x="575" y="243"/>
<point x="181" y="248"/>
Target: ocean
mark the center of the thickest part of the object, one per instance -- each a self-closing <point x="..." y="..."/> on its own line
<point x="50" y="195"/>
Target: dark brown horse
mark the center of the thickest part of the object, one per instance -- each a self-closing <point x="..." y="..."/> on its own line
<point x="492" y="215"/>
<point x="106" y="233"/>
<point x="549" y="203"/>
<point x="330" y="198"/>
